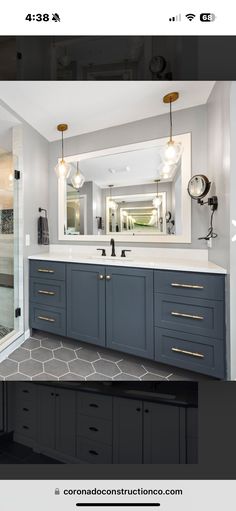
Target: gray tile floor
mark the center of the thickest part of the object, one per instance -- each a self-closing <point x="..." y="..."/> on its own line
<point x="51" y="357"/>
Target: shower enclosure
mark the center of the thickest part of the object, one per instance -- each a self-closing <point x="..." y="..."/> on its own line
<point x="9" y="243"/>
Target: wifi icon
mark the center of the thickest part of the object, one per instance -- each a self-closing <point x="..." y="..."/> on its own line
<point x="190" y="17"/>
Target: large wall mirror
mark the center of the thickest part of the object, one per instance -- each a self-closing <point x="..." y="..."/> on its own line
<point x="124" y="194"/>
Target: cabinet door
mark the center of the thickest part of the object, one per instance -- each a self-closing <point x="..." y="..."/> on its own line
<point x="161" y="433"/>
<point x="47" y="411"/>
<point x="65" y="421"/>
<point x="86" y="303"/>
<point x="129" y="310"/>
<point x="127" y="431"/>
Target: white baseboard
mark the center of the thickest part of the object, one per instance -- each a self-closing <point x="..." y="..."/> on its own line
<point x="27" y="334"/>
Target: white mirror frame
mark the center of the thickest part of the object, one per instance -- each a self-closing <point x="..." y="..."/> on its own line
<point x="186" y="169"/>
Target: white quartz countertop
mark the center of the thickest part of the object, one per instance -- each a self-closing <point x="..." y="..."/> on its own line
<point x="158" y="263"/>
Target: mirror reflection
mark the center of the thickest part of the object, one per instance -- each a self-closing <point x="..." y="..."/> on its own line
<point x="129" y="192"/>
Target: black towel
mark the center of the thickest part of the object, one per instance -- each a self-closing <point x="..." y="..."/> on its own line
<point x="43" y="231"/>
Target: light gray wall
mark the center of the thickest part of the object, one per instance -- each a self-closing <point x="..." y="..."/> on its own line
<point x="35" y="194"/>
<point x="218" y="141"/>
<point x="190" y="120"/>
<point x="232" y="295"/>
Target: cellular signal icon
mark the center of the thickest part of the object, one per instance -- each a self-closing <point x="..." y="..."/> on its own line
<point x="175" y="18"/>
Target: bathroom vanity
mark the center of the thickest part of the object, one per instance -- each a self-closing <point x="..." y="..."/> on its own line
<point x="93" y="423"/>
<point x="163" y="312"/>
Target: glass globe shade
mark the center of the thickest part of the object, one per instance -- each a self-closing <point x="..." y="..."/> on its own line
<point x="63" y="169"/>
<point x="77" y="180"/>
<point x="156" y="202"/>
<point x="171" y="153"/>
<point x="113" y="205"/>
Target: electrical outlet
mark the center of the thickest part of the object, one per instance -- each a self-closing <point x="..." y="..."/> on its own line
<point x="209" y="243"/>
<point x="27" y="240"/>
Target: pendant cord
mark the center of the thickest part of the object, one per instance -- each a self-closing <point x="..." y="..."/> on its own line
<point x="170" y="122"/>
<point x="62" y="145"/>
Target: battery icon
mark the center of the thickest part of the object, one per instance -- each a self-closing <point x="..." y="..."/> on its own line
<point x="207" y="16"/>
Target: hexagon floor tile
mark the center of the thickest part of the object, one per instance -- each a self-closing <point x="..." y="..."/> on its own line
<point x="50" y="357"/>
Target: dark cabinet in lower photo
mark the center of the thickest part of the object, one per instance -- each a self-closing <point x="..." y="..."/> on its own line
<point x="99" y="424"/>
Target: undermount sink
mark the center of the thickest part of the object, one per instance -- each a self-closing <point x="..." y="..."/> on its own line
<point x="153" y="394"/>
<point x="110" y="258"/>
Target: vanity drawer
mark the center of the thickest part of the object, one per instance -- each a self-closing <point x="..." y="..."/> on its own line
<point x="95" y="429"/>
<point x="195" y="285"/>
<point x="202" y="317"/>
<point x="94" y="405"/>
<point x="47" y="269"/>
<point x="26" y="429"/>
<point x="89" y="451"/>
<point x="186" y="351"/>
<point x="48" y="293"/>
<point x="49" y="319"/>
<point x="25" y="394"/>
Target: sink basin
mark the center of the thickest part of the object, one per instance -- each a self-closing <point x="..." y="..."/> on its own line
<point x="154" y="394"/>
<point x="110" y="258"/>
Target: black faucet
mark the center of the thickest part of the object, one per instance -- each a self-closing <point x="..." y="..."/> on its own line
<point x="112" y="243"/>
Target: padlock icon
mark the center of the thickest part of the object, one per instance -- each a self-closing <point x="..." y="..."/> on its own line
<point x="57" y="491"/>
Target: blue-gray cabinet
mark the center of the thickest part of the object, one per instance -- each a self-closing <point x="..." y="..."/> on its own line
<point x="111" y="307"/>
<point x="86" y="303"/>
<point x="189" y="319"/>
<point x="129" y="310"/>
<point x="174" y="317"/>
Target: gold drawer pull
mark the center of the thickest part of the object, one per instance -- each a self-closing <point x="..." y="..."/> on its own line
<point x="45" y="270"/>
<point x="44" y="318"/>
<point x="187" y="286"/>
<point x="185" y="352"/>
<point x="43" y="292"/>
<point x="183" y="315"/>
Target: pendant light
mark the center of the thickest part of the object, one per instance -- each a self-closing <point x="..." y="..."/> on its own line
<point x="112" y="203"/>
<point x="77" y="179"/>
<point x="167" y="170"/>
<point x="172" y="151"/>
<point x="63" y="168"/>
<point x="157" y="200"/>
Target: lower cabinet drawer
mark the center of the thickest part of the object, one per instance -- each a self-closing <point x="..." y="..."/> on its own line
<point x="49" y="319"/>
<point x="94" y="405"/>
<point x="201" y="317"/>
<point x="25" y="427"/>
<point x="25" y="393"/>
<point x="46" y="292"/>
<point x="89" y="451"/>
<point x="95" y="429"/>
<point x="187" y="351"/>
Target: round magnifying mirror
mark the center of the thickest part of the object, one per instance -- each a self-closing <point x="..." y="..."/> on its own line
<point x="198" y="186"/>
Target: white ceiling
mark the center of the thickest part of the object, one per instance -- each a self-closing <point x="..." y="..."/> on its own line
<point x="90" y="106"/>
<point x="128" y="168"/>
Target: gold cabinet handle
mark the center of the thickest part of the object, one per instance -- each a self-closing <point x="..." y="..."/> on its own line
<point x="183" y="315"/>
<point x="44" y="318"/>
<point x="101" y="277"/>
<point x="44" y="292"/>
<point x="190" y="353"/>
<point x="108" y="277"/>
<point x="45" y="270"/>
<point x="187" y="286"/>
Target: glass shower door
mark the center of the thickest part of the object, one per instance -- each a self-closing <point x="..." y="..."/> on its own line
<point x="9" y="248"/>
